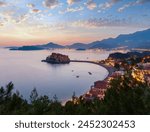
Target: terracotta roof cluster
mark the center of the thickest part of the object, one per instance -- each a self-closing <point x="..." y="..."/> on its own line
<point x="100" y="84"/>
<point x="97" y="91"/>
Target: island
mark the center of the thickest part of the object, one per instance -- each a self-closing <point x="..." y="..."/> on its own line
<point x="56" y="58"/>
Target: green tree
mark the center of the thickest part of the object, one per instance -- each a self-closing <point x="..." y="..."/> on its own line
<point x="127" y="96"/>
<point x="34" y="95"/>
<point x="117" y="66"/>
<point x="11" y="103"/>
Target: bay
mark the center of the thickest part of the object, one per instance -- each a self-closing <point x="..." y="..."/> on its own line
<point x="26" y="71"/>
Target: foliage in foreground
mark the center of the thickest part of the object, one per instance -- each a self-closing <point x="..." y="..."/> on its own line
<point x="124" y="96"/>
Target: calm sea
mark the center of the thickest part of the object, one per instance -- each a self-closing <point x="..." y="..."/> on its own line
<point x="26" y="71"/>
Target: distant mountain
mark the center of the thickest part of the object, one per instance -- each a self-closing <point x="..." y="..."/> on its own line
<point x="81" y="45"/>
<point x="140" y="39"/>
<point x="51" y="45"/>
<point x="38" y="47"/>
<point x="77" y="46"/>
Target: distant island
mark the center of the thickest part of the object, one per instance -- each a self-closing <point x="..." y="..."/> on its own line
<point x="140" y="39"/>
<point x="56" y="58"/>
<point x="38" y="47"/>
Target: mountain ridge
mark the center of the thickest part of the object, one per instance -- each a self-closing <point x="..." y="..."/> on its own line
<point x="139" y="39"/>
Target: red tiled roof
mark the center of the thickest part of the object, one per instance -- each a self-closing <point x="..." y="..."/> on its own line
<point x="100" y="84"/>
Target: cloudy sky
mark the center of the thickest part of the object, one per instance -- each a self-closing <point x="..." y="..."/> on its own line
<point x="26" y="22"/>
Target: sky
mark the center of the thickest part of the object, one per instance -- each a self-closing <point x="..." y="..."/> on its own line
<point x="31" y="22"/>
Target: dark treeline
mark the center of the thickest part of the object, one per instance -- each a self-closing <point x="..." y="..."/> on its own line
<point x="124" y="96"/>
